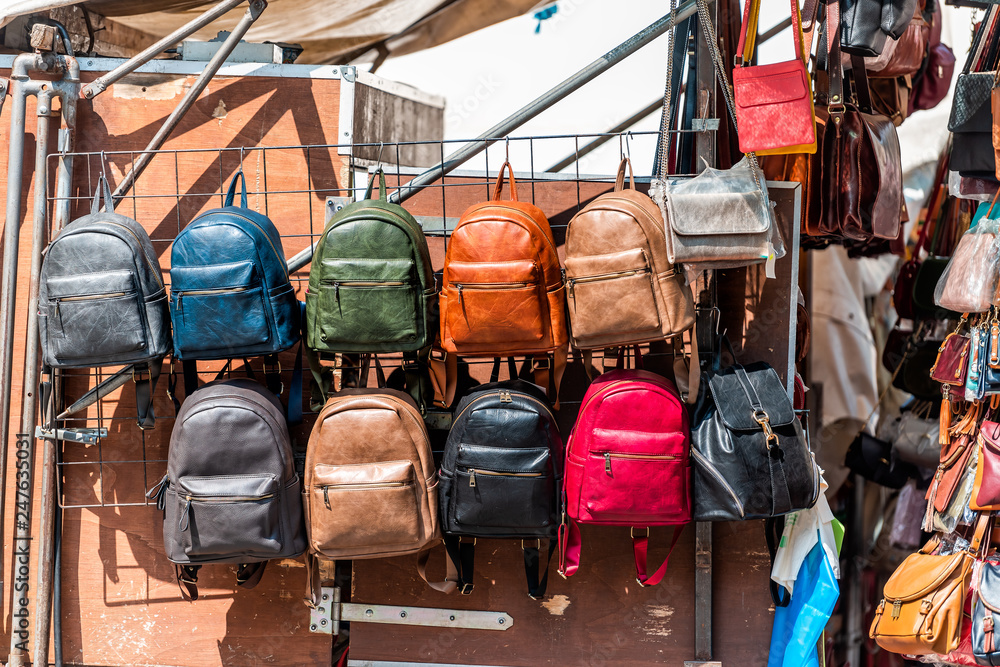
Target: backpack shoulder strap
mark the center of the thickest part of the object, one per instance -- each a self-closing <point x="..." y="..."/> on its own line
<point x="103" y="188"/>
<point x="231" y="193"/>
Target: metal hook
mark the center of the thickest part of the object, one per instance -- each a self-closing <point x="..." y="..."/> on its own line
<point x="241" y="158"/>
<point x="378" y="160"/>
<point x="104" y="160"/>
<point x="507" y="147"/>
<point x="628" y="145"/>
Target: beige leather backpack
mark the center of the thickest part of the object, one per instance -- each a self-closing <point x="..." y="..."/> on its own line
<point x="370" y="481"/>
<point x="621" y="287"/>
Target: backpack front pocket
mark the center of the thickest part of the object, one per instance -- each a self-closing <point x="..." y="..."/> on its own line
<point x="368" y="506"/>
<point x="218" y="308"/>
<point x="95" y="316"/>
<point x="365" y="302"/>
<point x="494" y="303"/>
<point x="502" y="488"/>
<point x="612" y="295"/>
<point x="638" y="485"/>
<point x="226" y="515"/>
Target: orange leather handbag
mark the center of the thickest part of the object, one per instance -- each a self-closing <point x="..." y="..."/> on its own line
<point x="921" y="611"/>
<point x="774" y="103"/>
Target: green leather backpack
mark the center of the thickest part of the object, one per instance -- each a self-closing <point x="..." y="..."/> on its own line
<point x="371" y="285"/>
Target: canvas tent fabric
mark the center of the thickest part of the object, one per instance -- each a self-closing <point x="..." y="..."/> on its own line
<point x="328" y="30"/>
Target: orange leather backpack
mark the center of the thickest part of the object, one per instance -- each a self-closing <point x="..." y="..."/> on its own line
<point x="503" y="293"/>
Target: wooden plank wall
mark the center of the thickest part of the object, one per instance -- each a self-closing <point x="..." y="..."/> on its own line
<point x="121" y="605"/>
<point x="601" y="616"/>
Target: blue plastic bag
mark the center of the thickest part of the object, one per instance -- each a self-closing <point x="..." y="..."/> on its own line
<point x="797" y="627"/>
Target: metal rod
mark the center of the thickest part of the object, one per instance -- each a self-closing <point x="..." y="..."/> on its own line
<point x="20" y="612"/>
<point x="526" y="113"/>
<point x="703" y="591"/>
<point x="774" y="30"/>
<point x="101" y="84"/>
<point x="600" y="141"/>
<point x="251" y="15"/>
<point x="21" y="88"/>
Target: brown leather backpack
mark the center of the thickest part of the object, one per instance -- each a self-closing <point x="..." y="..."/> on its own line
<point x="622" y="289"/>
<point x="370" y="481"/>
<point x="503" y="292"/>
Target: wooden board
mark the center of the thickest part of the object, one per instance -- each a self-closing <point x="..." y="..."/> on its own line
<point x="601" y="616"/>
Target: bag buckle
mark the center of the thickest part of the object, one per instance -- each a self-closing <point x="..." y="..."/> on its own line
<point x="541" y="363"/>
<point x="537" y="541"/>
<point x="926" y="606"/>
<point x="466" y="589"/>
<point x="764" y="421"/>
<point x="631" y="532"/>
<point x="438" y="355"/>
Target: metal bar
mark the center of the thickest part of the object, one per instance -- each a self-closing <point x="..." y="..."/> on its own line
<point x="600" y="141"/>
<point x="26" y="437"/>
<point x="98" y="392"/>
<point x="21" y="88"/>
<point x="101" y="84"/>
<point x="526" y="113"/>
<point x="440" y="618"/>
<point x="251" y="15"/>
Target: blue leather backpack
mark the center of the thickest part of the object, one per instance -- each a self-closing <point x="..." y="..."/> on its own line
<point x="230" y="295"/>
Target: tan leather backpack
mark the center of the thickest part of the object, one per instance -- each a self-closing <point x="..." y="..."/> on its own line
<point x="370" y="481"/>
<point x="622" y="289"/>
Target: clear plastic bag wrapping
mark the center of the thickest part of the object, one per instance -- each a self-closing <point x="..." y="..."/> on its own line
<point x="969" y="282"/>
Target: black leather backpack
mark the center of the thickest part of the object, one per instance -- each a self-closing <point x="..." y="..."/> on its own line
<point x="751" y="459"/>
<point x="101" y="299"/>
<point x="501" y="476"/>
<point x="230" y="494"/>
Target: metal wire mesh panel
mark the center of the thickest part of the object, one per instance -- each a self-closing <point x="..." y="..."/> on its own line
<point x="298" y="188"/>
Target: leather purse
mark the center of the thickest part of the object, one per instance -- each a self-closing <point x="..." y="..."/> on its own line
<point x="955" y="457"/>
<point x="862" y="177"/>
<point x="986" y="489"/>
<point x="872" y="458"/>
<point x="906" y="54"/>
<point x="774" y="102"/>
<point x="952" y="360"/>
<point x="986" y="614"/>
<point x="924" y="599"/>
<point x="751" y="458"/>
<point x="971" y="120"/>
<point x="869" y="23"/>
<point x="934" y="80"/>
<point x="917" y="438"/>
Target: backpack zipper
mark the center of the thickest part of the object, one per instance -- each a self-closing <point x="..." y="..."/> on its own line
<point x="208" y="292"/>
<point x="149" y="264"/>
<point x="184" y="522"/>
<point x="634" y="457"/>
<point x="505" y="397"/>
<point x="281" y="260"/>
<point x="527" y="217"/>
<point x="571" y="282"/>
<point x="89" y="297"/>
<point x="359" y="283"/>
<point x="490" y="473"/>
<point x="719" y="478"/>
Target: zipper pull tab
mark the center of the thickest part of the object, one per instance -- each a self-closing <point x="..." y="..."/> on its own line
<point x="185" y="522"/>
<point x="336" y="291"/>
<point x="897" y="606"/>
<point x="607" y="462"/>
<point x="326" y="497"/>
<point x="472" y="477"/>
<point x="158" y="492"/>
<point x="505" y="396"/>
<point x="569" y="288"/>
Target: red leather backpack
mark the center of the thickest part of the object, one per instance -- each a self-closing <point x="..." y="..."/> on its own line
<point x="627" y="464"/>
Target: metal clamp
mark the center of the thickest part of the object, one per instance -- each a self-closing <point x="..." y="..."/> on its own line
<point x="88" y="436"/>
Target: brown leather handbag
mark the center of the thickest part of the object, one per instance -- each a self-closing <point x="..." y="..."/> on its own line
<point x="862" y="177"/>
<point x="907" y="53"/>
<point x="923" y="601"/>
<point x="621" y="287"/>
<point x="503" y="292"/>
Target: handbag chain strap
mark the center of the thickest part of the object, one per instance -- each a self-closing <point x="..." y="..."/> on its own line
<point x="705" y="19"/>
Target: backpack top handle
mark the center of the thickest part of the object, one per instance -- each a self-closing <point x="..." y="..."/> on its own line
<point x="231" y="194"/>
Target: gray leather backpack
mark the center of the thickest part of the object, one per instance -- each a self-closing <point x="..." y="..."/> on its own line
<point x="230" y="494"/>
<point x="101" y="299"/>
